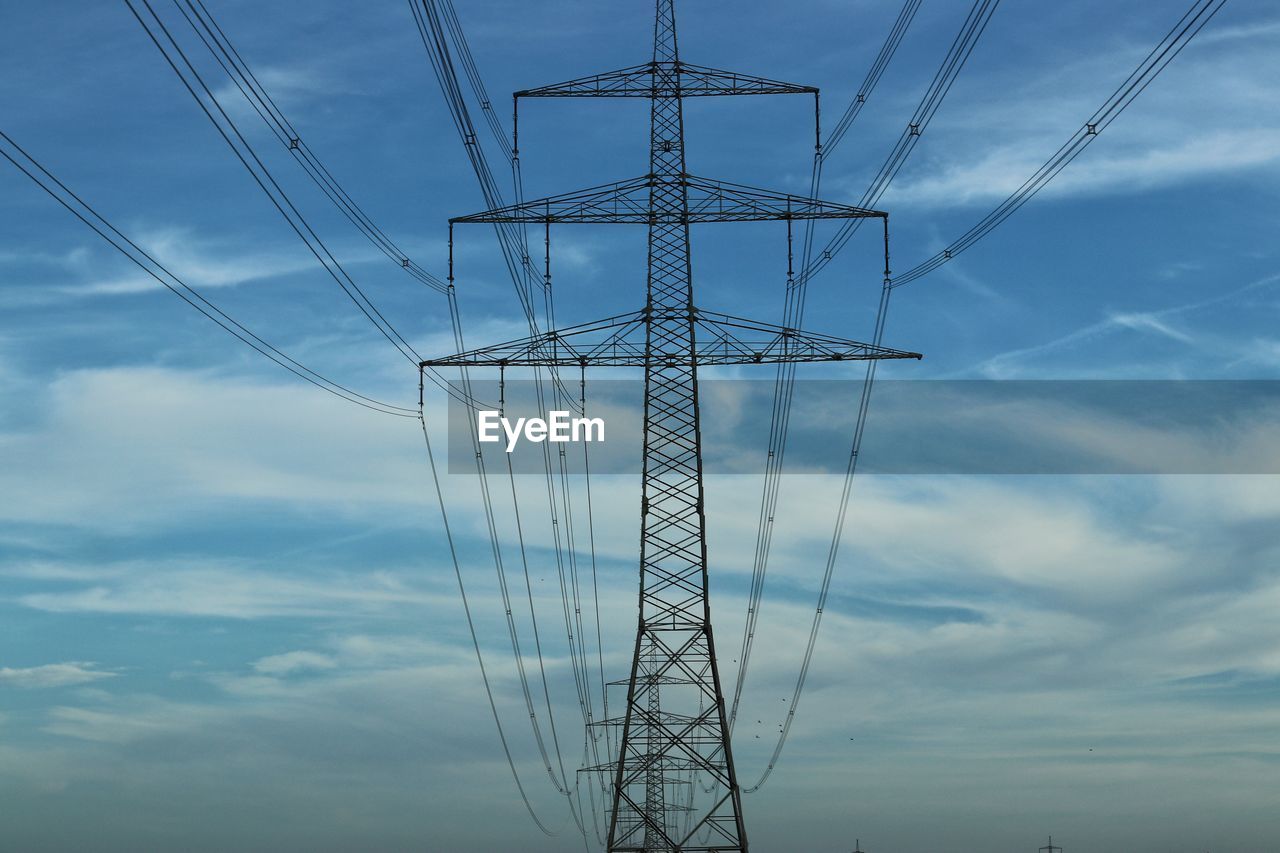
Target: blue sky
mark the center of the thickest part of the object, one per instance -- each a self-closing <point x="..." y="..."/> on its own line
<point x="227" y="619"/>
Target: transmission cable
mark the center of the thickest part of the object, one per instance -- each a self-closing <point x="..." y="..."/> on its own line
<point x="882" y="60"/>
<point x="784" y="381"/>
<point x="1160" y="56"/>
<point x="281" y="202"/>
<point x="229" y="58"/>
<point x="1187" y="27"/>
<point x="499" y="565"/>
<point x="961" y="48"/>
<point x="499" y="134"/>
<point x="83" y="211"/>
<point x="432" y="25"/>
<point x="466" y="609"/>
<point x="432" y="29"/>
<point x="262" y="176"/>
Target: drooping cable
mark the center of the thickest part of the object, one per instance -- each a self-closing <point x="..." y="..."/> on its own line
<point x="561" y="783"/>
<point x="227" y="129"/>
<point x="595" y="582"/>
<point x="837" y="535"/>
<point x="957" y="56"/>
<point x="1187" y="27"/>
<point x="1200" y="13"/>
<point x="567" y="503"/>
<point x="882" y="60"/>
<point x="242" y="76"/>
<point x="466" y="609"/>
<point x="83" y="211"/>
<point x="430" y="20"/>
<point x="247" y="82"/>
<point x="784" y="379"/>
<point x="432" y="31"/>
<point x="433" y="27"/>
<point x="491" y="523"/>
<point x="248" y="157"/>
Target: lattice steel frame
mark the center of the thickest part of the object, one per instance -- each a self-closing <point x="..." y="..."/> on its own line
<point x="675" y="721"/>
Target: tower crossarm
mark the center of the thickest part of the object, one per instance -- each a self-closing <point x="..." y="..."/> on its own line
<point x="629" y="202"/>
<point x="620" y="342"/>
<point x="666" y="79"/>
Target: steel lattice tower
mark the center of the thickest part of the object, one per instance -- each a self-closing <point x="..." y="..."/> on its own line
<point x="674" y="731"/>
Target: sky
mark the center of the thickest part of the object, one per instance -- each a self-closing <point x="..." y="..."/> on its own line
<point x="228" y="618"/>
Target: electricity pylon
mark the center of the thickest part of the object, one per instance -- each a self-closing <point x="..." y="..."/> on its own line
<point x="674" y="730"/>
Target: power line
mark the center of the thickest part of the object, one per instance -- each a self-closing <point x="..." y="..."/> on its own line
<point x="231" y="63"/>
<point x="245" y="153"/>
<point x="961" y="48"/>
<point x="836" y="537"/>
<point x="1156" y="61"/>
<point x="561" y="785"/>
<point x="900" y="24"/>
<point x="944" y="78"/>
<point x="1183" y="31"/>
<point x="784" y="381"/>
<point x="275" y="193"/>
<point x="83" y="211"/>
<point x="431" y="30"/>
<point x="241" y="74"/>
<point x="466" y="609"/>
<point x="437" y="23"/>
<point x="432" y="24"/>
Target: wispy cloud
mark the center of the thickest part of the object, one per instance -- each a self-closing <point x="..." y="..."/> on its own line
<point x="293" y="87"/>
<point x="234" y="592"/>
<point x="1208" y="116"/>
<point x="1101" y="169"/>
<point x="201" y="263"/>
<point x="1022" y="362"/>
<point x="53" y="675"/>
<point x="288" y="663"/>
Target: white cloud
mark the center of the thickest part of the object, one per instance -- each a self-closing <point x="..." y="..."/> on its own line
<point x="209" y="589"/>
<point x="1101" y="169"/>
<point x="289" y="663"/>
<point x="53" y="675"/>
<point x="1022" y="363"/>
<point x="149" y="446"/>
<point x="1210" y="114"/>
<point x="203" y="263"/>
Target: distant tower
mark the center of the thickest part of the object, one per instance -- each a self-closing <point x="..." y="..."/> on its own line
<point x="857" y="846"/>
<point x="1050" y="847"/>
